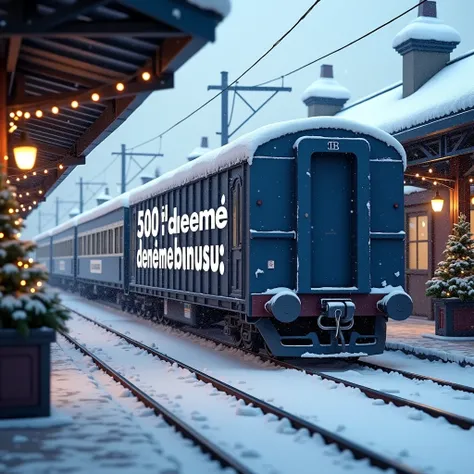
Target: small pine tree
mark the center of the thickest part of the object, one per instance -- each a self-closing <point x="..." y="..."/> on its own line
<point x="454" y="276"/>
<point x="25" y="300"/>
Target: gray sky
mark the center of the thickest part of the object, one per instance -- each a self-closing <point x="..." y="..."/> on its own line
<point x="252" y="27"/>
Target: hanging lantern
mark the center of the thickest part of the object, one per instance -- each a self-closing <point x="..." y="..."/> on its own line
<point x="25" y="153"/>
<point x="437" y="203"/>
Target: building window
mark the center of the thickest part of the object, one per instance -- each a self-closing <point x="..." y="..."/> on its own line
<point x="418" y="242"/>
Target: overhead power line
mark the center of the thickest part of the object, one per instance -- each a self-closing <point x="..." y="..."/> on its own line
<point x="347" y="45"/>
<point x="308" y="11"/>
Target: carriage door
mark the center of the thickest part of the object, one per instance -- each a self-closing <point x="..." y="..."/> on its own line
<point x="333" y="214"/>
<point x="236" y="235"/>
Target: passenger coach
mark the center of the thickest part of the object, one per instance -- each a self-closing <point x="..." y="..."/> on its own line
<point x="290" y="238"/>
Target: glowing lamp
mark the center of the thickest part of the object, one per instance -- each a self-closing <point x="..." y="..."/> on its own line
<point x="437" y="203"/>
<point x="472" y="201"/>
<point x="25" y="153"/>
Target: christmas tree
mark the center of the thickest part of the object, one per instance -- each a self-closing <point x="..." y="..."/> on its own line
<point x="25" y="300"/>
<point x="454" y="276"/>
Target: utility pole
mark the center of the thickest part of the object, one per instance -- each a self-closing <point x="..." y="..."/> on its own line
<point x="225" y="122"/>
<point x="81" y="184"/>
<point x="124" y="154"/>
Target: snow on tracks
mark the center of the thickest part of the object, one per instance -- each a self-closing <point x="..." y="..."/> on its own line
<point x="251" y="408"/>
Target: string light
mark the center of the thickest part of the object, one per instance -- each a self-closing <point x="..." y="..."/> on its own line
<point x="8" y="181"/>
<point x="27" y="115"/>
<point x="74" y="104"/>
<point x="61" y="167"/>
<point x="30" y="260"/>
<point x="21" y="195"/>
<point x="95" y="97"/>
<point x="20" y="263"/>
<point x="55" y="110"/>
<point x="32" y="290"/>
<point x="34" y="173"/>
<point x="39" y="284"/>
<point x="146" y="76"/>
<point x="26" y="266"/>
<point x="27" y="193"/>
<point x="45" y="171"/>
<point x="18" y="179"/>
<point x="11" y="211"/>
<point x="34" y="202"/>
<point x="18" y="235"/>
<point x="19" y="113"/>
<point x="471" y="180"/>
<point x="40" y="192"/>
<point x="120" y="86"/>
<point x="23" y="283"/>
<point x="2" y="235"/>
<point x="12" y="129"/>
<point x="12" y="114"/>
<point x="39" y="113"/>
<point x="16" y="118"/>
<point x="24" y="176"/>
<point x="11" y="124"/>
<point x="430" y="170"/>
<point x="5" y="157"/>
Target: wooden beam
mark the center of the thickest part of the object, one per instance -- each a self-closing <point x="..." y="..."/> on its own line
<point x="14" y="45"/>
<point x="106" y="92"/>
<point x="99" y="29"/>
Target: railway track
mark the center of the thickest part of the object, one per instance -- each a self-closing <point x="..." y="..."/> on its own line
<point x="457" y="420"/>
<point x="359" y="452"/>
<point x="217" y="454"/>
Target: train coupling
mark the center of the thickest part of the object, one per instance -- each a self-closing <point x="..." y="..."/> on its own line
<point x="285" y="306"/>
<point x="396" y="305"/>
<point x="340" y="314"/>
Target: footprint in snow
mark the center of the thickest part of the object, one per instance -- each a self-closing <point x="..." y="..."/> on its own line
<point x="198" y="417"/>
<point x="250" y="453"/>
<point x="464" y="396"/>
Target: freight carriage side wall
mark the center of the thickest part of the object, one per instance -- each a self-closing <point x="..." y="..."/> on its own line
<point x="63" y="248"/>
<point x="188" y="243"/>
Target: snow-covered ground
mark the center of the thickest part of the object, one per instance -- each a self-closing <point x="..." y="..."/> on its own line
<point x="94" y="428"/>
<point x="264" y="443"/>
<point x="404" y="434"/>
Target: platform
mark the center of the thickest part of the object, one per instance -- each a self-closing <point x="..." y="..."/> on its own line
<point x="87" y="432"/>
<point x="418" y="335"/>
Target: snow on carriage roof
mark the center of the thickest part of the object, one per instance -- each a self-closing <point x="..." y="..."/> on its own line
<point x="388" y="110"/>
<point x="429" y="29"/>
<point x="105" y="208"/>
<point x="222" y="7"/>
<point x="198" y="151"/>
<point x="42" y="236"/>
<point x="326" y="87"/>
<point x="243" y="149"/>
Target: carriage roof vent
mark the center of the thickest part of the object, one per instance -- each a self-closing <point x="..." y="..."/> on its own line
<point x="425" y="44"/>
<point x="325" y="96"/>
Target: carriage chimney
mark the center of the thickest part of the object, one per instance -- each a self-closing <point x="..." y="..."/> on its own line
<point x="104" y="197"/>
<point x="325" y="96"/>
<point x="425" y="44"/>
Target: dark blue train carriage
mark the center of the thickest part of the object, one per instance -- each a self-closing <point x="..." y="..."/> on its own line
<point x="63" y="254"/>
<point x="43" y="250"/>
<point x="102" y="246"/>
<point x="290" y="238"/>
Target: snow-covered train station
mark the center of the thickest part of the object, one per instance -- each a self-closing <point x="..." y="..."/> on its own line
<point x="297" y="299"/>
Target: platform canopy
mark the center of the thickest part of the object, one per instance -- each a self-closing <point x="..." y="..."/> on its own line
<point x="72" y="71"/>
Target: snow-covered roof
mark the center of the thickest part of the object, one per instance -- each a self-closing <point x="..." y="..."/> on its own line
<point x="222" y="7"/>
<point x="104" y="197"/>
<point x="448" y="92"/>
<point x="326" y="87"/>
<point x="243" y="149"/>
<point x="105" y="208"/>
<point x="412" y="189"/>
<point x="198" y="151"/>
<point x="43" y="235"/>
<point x="428" y="29"/>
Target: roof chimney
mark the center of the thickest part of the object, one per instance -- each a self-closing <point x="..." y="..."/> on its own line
<point x="104" y="197"/>
<point x="325" y="96"/>
<point x="200" y="150"/>
<point x="426" y="45"/>
<point x="74" y="212"/>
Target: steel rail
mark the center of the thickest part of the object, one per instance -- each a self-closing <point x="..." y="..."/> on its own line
<point x="215" y="452"/>
<point x="358" y="451"/>
<point x="457" y="420"/>
<point x="415" y="376"/>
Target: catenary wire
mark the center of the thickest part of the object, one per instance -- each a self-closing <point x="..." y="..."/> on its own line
<point x="347" y="45"/>
<point x="307" y="12"/>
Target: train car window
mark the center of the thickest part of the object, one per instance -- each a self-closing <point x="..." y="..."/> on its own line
<point x="121" y="239"/>
<point x="236" y="215"/>
<point x="418" y="242"/>
<point x="110" y="241"/>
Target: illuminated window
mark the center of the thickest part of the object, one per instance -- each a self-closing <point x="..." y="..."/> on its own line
<point x="418" y="242"/>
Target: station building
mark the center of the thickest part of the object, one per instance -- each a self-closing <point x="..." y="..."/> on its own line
<point x="431" y="112"/>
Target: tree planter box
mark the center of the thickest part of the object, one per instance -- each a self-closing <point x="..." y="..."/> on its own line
<point x="25" y="370"/>
<point x="454" y="317"/>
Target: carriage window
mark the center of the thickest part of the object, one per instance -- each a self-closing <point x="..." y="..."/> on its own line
<point x="418" y="242"/>
<point x="236" y="215"/>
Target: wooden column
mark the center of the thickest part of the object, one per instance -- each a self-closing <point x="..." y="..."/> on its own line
<point x="459" y="166"/>
<point x="3" y="116"/>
